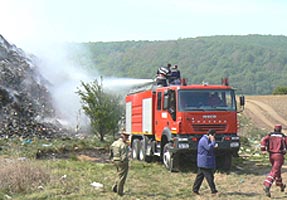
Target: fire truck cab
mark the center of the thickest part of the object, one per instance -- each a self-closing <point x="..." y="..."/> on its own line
<point x="167" y="122"/>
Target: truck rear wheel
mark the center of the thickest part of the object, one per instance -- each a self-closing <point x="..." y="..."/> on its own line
<point x="135" y="149"/>
<point x="142" y="150"/>
<point x="168" y="160"/>
<point x="150" y="152"/>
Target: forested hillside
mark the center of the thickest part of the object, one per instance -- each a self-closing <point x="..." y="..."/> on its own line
<point x="255" y="64"/>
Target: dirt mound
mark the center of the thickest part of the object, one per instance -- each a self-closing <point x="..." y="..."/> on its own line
<point x="26" y="107"/>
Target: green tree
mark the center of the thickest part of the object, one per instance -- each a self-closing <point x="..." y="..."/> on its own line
<point x="103" y="109"/>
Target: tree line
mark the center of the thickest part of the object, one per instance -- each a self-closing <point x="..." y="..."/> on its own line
<point x="254" y="64"/>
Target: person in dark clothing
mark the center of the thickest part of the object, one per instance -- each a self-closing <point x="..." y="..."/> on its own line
<point x="214" y="100"/>
<point x="206" y="162"/>
<point x="174" y="78"/>
<point x="275" y="144"/>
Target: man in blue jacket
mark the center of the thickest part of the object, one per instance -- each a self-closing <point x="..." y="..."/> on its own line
<point x="206" y="162"/>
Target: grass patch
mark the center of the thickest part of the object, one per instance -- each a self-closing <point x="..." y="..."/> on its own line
<point x="71" y="179"/>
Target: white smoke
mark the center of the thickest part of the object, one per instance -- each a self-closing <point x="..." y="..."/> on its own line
<point x="65" y="78"/>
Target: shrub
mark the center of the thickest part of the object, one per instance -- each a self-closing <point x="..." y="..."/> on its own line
<point x="280" y="90"/>
<point x="21" y="176"/>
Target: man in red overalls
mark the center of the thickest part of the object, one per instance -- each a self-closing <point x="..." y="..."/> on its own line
<point x="275" y="144"/>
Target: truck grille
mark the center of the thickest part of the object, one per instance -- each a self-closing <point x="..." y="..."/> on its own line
<point x="206" y="127"/>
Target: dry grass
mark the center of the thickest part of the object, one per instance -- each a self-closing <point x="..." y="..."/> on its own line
<point x="21" y="176"/>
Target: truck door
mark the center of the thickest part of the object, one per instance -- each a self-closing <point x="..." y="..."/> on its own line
<point x="165" y="111"/>
<point x="158" y="115"/>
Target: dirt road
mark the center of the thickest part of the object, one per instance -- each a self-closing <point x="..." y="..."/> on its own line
<point x="265" y="111"/>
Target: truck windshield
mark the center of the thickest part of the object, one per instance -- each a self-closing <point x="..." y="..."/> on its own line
<point x="206" y="100"/>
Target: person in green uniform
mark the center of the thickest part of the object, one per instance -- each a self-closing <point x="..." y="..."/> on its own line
<point x="119" y="155"/>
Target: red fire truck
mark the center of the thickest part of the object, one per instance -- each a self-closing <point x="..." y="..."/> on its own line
<point x="167" y="122"/>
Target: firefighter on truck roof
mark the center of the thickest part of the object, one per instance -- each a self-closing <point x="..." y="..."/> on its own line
<point x="174" y="78"/>
<point x="275" y="144"/>
<point x="162" y="75"/>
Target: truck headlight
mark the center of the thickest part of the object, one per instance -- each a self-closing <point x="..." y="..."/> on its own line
<point x="183" y="145"/>
<point x="234" y="144"/>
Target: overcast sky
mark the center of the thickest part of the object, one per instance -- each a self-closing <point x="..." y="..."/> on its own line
<point x="23" y="22"/>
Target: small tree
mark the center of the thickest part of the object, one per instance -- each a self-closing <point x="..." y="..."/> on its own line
<point x="103" y="109"/>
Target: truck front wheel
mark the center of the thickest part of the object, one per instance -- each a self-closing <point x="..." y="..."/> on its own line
<point x="168" y="160"/>
<point x="224" y="162"/>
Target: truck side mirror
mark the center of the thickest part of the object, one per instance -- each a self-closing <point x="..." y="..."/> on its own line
<point x="242" y="100"/>
<point x="242" y="103"/>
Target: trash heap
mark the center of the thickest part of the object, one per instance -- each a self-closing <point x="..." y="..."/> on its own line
<point x="26" y="107"/>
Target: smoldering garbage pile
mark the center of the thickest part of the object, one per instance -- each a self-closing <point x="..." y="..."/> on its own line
<point x="26" y="108"/>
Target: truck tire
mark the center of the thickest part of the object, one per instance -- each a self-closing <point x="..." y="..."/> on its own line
<point x="135" y="149"/>
<point x="150" y="147"/>
<point x="227" y="162"/>
<point x="142" y="150"/>
<point x="151" y="157"/>
<point x="167" y="157"/>
<point x="224" y="162"/>
<point x="146" y="150"/>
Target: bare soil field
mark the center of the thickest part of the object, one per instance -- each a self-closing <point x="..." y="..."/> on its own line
<point x="265" y="111"/>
